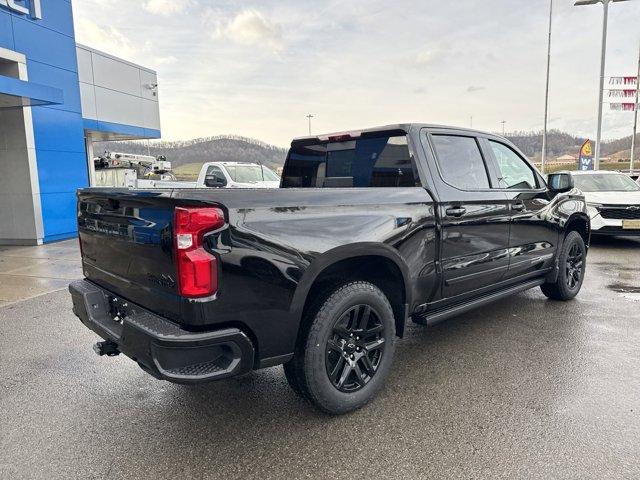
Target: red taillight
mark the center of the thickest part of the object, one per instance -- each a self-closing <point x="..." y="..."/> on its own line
<point x="197" y="269"/>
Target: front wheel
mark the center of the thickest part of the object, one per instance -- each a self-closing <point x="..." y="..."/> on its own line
<point x="344" y="358"/>
<point x="572" y="264"/>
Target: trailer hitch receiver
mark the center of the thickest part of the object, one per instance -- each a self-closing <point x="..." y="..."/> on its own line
<point x="107" y="348"/>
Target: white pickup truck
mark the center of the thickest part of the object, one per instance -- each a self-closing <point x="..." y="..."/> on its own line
<point x="236" y="175"/>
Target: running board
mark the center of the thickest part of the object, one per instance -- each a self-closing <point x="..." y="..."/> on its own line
<point x="431" y="318"/>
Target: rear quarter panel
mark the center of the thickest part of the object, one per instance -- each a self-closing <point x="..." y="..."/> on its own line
<point x="278" y="241"/>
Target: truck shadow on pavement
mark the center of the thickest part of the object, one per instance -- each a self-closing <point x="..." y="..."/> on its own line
<point x="478" y="354"/>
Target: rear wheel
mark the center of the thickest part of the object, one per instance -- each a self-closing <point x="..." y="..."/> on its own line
<point x="346" y="352"/>
<point x="572" y="264"/>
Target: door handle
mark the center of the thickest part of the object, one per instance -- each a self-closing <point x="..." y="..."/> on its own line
<point x="518" y="207"/>
<point x="455" y="211"/>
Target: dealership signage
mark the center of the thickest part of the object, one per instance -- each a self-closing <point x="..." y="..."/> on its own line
<point x="33" y="8"/>
<point x="585" y="159"/>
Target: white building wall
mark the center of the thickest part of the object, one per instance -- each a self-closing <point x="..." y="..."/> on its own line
<point x="116" y="91"/>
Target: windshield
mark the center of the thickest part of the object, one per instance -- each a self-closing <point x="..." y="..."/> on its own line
<point x="605" y="183"/>
<point x="250" y="173"/>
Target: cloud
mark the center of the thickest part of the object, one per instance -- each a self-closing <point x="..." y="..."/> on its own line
<point x="251" y="28"/>
<point x="168" y="60"/>
<point x="425" y="57"/>
<point x="104" y="37"/>
<point x="166" y="8"/>
<point x="475" y="88"/>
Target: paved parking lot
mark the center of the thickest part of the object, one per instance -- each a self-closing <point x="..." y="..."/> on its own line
<point x="525" y="388"/>
<point x="27" y="272"/>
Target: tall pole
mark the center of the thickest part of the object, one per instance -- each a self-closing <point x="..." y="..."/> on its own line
<point x="503" y="122"/>
<point x="546" y="91"/>
<point x="635" y="116"/>
<point x="605" y="17"/>
<point x="309" y="116"/>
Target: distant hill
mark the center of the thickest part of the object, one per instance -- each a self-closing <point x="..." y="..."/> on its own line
<point x="222" y="148"/>
<point x="192" y="153"/>
<point x="561" y="143"/>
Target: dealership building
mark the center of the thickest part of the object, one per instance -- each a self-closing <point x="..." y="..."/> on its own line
<point x="56" y="98"/>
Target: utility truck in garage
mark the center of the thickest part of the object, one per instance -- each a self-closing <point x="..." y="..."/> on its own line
<point x="369" y="229"/>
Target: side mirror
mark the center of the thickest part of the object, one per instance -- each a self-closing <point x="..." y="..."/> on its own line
<point x="560" y="182"/>
<point x="214" y="182"/>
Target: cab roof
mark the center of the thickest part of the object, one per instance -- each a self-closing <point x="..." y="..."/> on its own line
<point x="404" y="127"/>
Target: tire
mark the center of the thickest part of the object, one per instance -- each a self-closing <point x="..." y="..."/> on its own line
<point x="346" y="349"/>
<point x="572" y="265"/>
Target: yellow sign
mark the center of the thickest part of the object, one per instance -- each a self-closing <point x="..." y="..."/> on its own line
<point x="586" y="149"/>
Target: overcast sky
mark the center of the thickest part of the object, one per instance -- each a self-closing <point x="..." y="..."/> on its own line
<point x="257" y="68"/>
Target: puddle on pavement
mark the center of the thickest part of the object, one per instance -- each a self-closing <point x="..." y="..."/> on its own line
<point x="617" y="266"/>
<point x="627" y="291"/>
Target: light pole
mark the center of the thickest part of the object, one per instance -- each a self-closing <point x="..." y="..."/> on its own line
<point x="546" y="91"/>
<point x="309" y="116"/>
<point x="503" y="122"/>
<point x="635" y="116"/>
<point x="605" y="17"/>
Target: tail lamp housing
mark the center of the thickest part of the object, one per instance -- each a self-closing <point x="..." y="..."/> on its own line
<point x="197" y="269"/>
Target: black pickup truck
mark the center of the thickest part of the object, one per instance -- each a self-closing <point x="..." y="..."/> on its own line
<point x="368" y="229"/>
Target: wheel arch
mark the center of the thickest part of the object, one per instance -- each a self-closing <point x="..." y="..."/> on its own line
<point x="577" y="222"/>
<point x="580" y="223"/>
<point x="361" y="261"/>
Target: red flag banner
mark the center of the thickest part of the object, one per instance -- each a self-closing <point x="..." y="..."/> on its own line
<point x="622" y="93"/>
<point x="622" y="107"/>
<point x="631" y="81"/>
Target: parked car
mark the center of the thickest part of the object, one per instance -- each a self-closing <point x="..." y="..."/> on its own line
<point x="237" y="175"/>
<point x="369" y="229"/>
<point x="613" y="201"/>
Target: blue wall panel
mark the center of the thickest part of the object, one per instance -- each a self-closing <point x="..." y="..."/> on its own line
<point x="55" y="77"/>
<point x="44" y="45"/>
<point x="57" y="130"/>
<point x="6" y="31"/>
<point x="55" y="16"/>
<point x="58" y="170"/>
<point x="59" y="213"/>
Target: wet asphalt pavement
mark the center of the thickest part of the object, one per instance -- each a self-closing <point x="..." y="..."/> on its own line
<point x="526" y="388"/>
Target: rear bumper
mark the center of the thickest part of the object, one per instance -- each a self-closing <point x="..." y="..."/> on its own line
<point x="159" y="346"/>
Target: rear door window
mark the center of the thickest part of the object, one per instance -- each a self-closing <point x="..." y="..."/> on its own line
<point x="460" y="162"/>
<point x="372" y="161"/>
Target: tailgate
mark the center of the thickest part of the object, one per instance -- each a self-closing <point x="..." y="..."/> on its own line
<point x="127" y="245"/>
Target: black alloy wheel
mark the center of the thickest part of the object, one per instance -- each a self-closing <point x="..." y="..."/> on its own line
<point x="574" y="264"/>
<point x="572" y="258"/>
<point x="345" y="352"/>
<point x="355" y="348"/>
